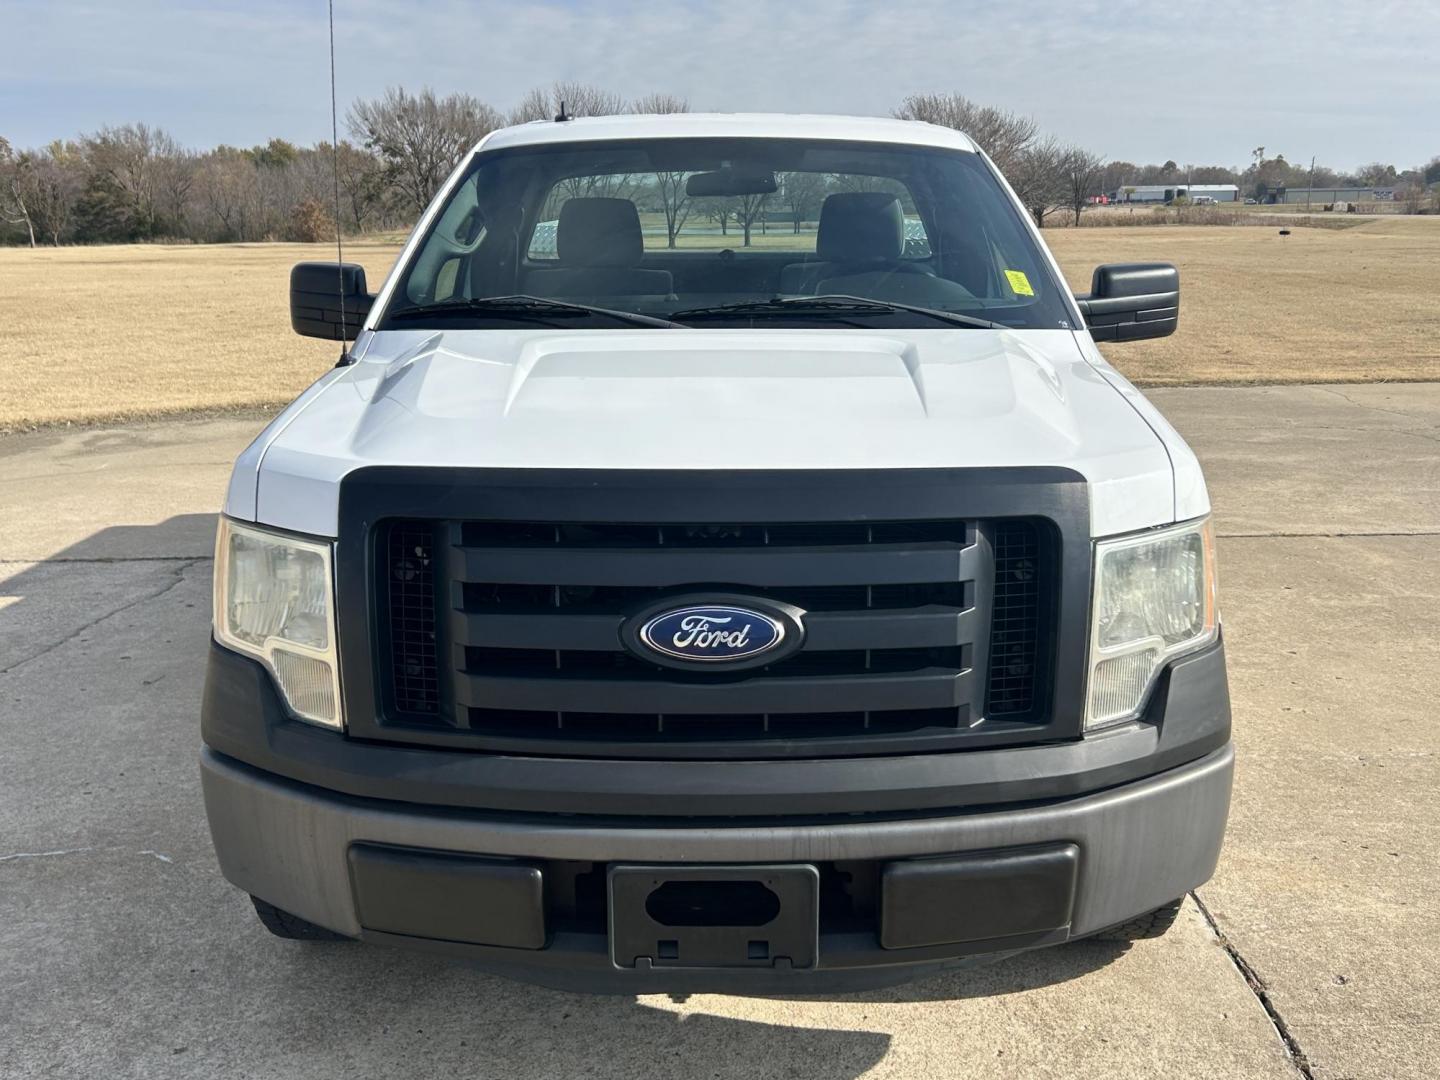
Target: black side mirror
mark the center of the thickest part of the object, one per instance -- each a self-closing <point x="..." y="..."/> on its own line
<point x="1129" y="301"/>
<point x="328" y="300"/>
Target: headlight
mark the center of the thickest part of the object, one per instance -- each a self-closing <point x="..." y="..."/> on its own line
<point x="1154" y="599"/>
<point x="274" y="600"/>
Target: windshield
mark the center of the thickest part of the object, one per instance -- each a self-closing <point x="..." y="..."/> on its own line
<point x="713" y="231"/>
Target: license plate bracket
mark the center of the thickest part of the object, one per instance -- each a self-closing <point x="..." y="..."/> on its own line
<point x="714" y="916"/>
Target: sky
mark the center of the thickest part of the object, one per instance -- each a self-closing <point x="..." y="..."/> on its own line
<point x="1196" y="81"/>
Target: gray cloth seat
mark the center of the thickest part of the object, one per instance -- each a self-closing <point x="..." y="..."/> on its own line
<point x="599" y="245"/>
<point x="861" y="234"/>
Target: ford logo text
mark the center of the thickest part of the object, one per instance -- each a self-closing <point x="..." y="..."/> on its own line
<point x="711" y="634"/>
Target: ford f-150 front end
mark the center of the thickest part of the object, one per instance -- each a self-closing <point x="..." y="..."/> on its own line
<point x="664" y="596"/>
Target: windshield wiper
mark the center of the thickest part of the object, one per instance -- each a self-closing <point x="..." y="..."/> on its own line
<point x="523" y="305"/>
<point x="839" y="302"/>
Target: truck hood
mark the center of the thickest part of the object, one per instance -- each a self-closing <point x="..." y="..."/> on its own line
<point x="708" y="399"/>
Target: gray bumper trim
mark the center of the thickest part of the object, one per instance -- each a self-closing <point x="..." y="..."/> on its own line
<point x="1141" y="845"/>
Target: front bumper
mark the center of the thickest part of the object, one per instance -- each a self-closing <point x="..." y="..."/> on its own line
<point x="1137" y="847"/>
<point x="485" y="856"/>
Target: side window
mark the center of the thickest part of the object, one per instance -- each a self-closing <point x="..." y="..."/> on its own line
<point x="438" y="272"/>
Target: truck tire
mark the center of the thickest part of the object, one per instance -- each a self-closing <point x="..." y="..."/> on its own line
<point x="1150" y="925"/>
<point x="291" y="927"/>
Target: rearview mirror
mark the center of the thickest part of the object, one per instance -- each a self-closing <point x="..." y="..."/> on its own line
<point x="1130" y="301"/>
<point x="328" y="300"/>
<point x="729" y="182"/>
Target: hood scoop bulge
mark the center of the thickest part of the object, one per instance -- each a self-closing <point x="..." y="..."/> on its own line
<point x="714" y="377"/>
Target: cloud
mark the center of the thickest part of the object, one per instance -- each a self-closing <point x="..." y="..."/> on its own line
<point x="1144" y="81"/>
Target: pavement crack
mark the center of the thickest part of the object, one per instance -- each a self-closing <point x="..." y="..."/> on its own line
<point x="159" y="855"/>
<point x="43" y="854"/>
<point x="1361" y="405"/>
<point x="177" y="577"/>
<point x="1257" y="986"/>
<point x="1405" y="432"/>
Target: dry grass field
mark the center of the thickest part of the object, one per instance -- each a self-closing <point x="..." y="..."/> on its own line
<point x="1359" y="304"/>
<point x="103" y="333"/>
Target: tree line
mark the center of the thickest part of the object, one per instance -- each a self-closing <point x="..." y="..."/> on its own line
<point x="135" y="182"/>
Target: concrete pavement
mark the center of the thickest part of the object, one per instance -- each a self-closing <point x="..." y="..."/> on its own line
<point x="125" y="953"/>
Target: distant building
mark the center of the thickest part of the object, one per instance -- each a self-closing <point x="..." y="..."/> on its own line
<point x="1168" y="193"/>
<point x="1324" y="196"/>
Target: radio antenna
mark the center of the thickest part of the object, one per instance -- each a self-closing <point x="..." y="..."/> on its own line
<point x="335" y="170"/>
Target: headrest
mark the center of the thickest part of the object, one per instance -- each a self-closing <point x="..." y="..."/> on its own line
<point x="599" y="232"/>
<point x="857" y="226"/>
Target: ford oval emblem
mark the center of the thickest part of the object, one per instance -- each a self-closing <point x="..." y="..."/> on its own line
<point x="719" y="633"/>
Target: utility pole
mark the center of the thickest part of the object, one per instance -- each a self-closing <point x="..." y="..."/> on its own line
<point x="1311" y="189"/>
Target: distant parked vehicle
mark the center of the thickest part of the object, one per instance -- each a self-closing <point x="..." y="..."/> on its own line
<point x="1204" y="200"/>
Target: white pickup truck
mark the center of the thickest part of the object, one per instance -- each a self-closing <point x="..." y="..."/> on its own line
<point x="753" y="580"/>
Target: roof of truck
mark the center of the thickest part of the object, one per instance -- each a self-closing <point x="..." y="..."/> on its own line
<point x="728" y="125"/>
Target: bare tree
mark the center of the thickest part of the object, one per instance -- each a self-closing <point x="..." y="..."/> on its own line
<point x="578" y="99"/>
<point x="121" y="189"/>
<point x="660" y="104"/>
<point x="229" y="195"/>
<point x="1082" y="172"/>
<point x="720" y="210"/>
<point x="582" y="99"/>
<point x="14" y="183"/>
<point x="175" y="170"/>
<point x="58" y="179"/>
<point x="669" y="186"/>
<point x="535" y="105"/>
<point x="362" y="183"/>
<point x="597" y="186"/>
<point x="747" y="210"/>
<point x="802" y="192"/>
<point x="39" y="188"/>
<point x="1002" y="134"/>
<point x="422" y="137"/>
<point x="1038" y="177"/>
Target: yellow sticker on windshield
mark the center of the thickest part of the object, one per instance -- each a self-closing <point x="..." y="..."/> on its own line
<point x="1019" y="283"/>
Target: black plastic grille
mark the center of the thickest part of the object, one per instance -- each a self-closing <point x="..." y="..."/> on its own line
<point x="409" y="566"/>
<point x="508" y="635"/>
<point x="1015" y="625"/>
